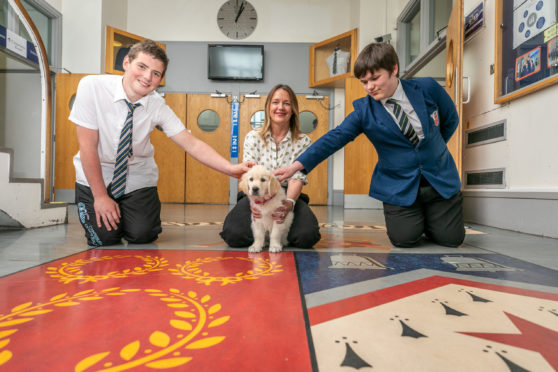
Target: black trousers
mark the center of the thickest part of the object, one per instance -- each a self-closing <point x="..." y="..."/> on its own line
<point x="441" y="220"/>
<point x="140" y="220"/>
<point x="237" y="230"/>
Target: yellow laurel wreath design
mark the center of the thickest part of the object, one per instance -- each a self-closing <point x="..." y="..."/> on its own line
<point x="192" y="270"/>
<point x="28" y="311"/>
<point x="192" y="315"/>
<point x="69" y="272"/>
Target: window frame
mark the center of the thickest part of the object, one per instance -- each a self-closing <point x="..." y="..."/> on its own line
<point x="427" y="50"/>
<point x="55" y="37"/>
<point x="55" y="57"/>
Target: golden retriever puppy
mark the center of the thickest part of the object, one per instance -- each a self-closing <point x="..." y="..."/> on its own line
<point x="266" y="194"/>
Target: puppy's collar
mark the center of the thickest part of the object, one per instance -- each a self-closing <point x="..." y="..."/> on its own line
<point x="265" y="200"/>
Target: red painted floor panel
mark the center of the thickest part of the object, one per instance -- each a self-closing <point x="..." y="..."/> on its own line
<point x="114" y="310"/>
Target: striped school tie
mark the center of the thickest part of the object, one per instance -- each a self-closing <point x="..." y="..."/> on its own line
<point x="404" y="123"/>
<point x="118" y="185"/>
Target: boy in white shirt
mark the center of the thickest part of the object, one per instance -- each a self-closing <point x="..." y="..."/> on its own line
<point x="117" y="198"/>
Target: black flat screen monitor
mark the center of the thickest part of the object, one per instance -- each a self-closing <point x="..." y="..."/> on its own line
<point x="235" y="62"/>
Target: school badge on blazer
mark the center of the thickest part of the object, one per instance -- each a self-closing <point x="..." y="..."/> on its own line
<point x="435" y="117"/>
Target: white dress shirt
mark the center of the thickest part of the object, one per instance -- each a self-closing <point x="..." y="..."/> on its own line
<point x="267" y="153"/>
<point x="100" y="105"/>
<point x="401" y="98"/>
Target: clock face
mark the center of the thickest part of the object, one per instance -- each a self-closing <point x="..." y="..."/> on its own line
<point x="237" y="19"/>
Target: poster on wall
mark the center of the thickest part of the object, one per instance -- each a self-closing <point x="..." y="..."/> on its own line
<point x="531" y="18"/>
<point x="526" y="47"/>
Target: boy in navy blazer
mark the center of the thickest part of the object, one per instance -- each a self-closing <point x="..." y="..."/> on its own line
<point x="409" y="122"/>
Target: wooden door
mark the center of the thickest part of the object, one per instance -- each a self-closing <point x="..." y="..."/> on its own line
<point x="360" y="155"/>
<point x="317" y="179"/>
<point x="203" y="184"/>
<point x="248" y="107"/>
<point x="170" y="158"/>
<point x="66" y="144"/>
<point x="454" y="75"/>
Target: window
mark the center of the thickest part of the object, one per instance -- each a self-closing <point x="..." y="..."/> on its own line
<point x="43" y="24"/>
<point x="47" y="20"/>
<point x="414" y="37"/>
<point x="441" y="13"/>
<point x="421" y="33"/>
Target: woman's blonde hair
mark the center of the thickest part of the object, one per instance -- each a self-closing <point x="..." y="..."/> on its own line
<point x="294" y="123"/>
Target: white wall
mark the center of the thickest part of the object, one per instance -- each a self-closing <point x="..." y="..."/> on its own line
<point x="377" y="18"/>
<point x="57" y="4"/>
<point x="82" y="36"/>
<point x="192" y="20"/>
<point x="278" y="21"/>
<point x="530" y="152"/>
<point x="115" y="14"/>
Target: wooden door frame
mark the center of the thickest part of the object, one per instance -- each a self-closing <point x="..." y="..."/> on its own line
<point x="454" y="77"/>
<point x="66" y="144"/>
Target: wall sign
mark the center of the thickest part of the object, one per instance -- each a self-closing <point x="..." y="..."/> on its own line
<point x="18" y="44"/>
<point x="235" y="106"/>
<point x="474" y="20"/>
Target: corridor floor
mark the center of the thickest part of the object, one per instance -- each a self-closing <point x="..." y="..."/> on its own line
<point x="353" y="302"/>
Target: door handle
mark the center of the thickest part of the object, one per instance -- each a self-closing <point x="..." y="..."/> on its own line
<point x="468" y="90"/>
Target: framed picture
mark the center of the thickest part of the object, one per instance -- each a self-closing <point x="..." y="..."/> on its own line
<point x="526" y="36"/>
<point x="118" y="43"/>
<point x="528" y="64"/>
<point x="552" y="53"/>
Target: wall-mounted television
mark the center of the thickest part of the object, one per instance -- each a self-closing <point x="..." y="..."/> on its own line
<point x="235" y="62"/>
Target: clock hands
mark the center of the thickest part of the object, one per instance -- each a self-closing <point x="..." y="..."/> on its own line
<point x="240" y="10"/>
<point x="237" y="19"/>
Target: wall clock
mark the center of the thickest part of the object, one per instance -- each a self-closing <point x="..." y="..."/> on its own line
<point x="237" y="19"/>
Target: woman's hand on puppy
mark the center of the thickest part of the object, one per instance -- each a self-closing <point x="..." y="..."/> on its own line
<point x="256" y="213"/>
<point x="280" y="213"/>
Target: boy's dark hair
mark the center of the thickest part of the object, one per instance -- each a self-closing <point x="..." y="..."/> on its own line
<point x="375" y="56"/>
<point x="149" y="47"/>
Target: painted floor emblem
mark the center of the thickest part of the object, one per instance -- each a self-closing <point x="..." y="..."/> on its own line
<point x="77" y="271"/>
<point x="199" y="271"/>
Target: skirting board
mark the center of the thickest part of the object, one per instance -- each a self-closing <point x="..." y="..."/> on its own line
<point x="523" y="211"/>
<point x="65" y="195"/>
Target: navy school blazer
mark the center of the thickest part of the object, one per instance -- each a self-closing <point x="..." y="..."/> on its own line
<point x="396" y="177"/>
